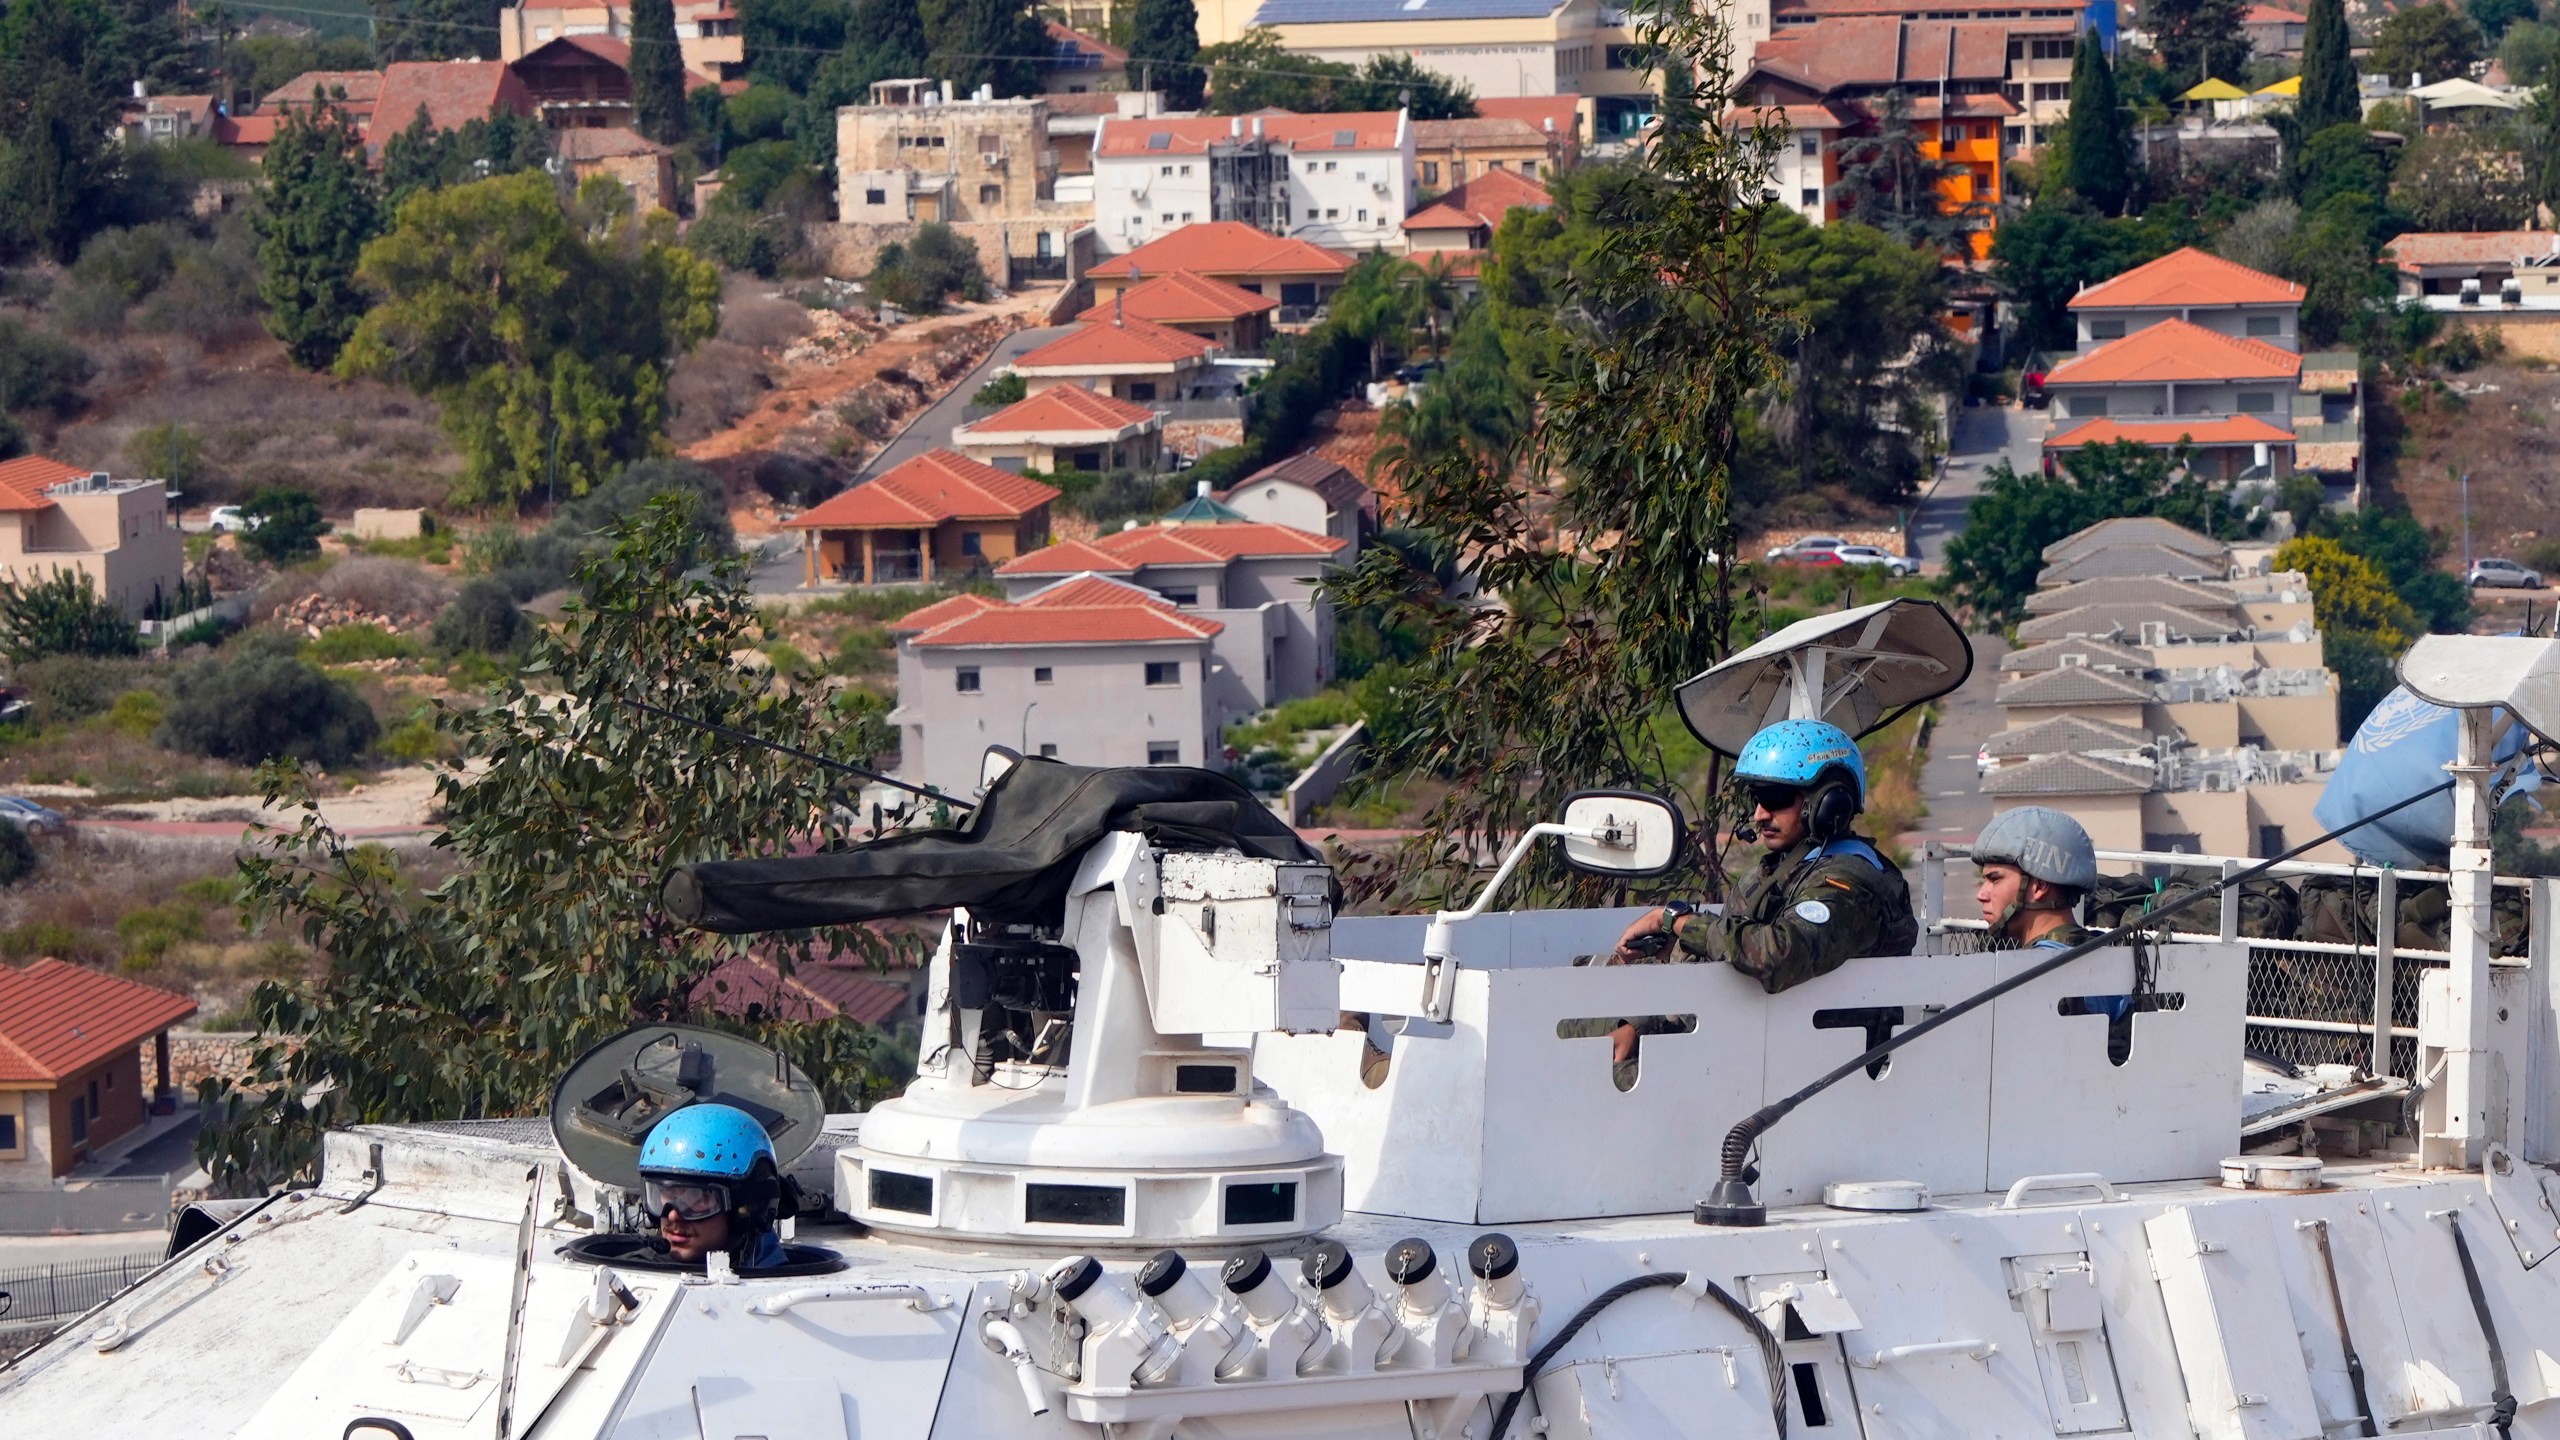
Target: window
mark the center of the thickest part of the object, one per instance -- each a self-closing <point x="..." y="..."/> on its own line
<point x="2257" y="402"/>
<point x="1809" y="146"/>
<point x="1311" y="167"/>
<point x="1812" y="197"/>
<point x="1186" y="169"/>
<point x="1493" y="164"/>
<point x="1164" y="672"/>
<point x="990" y="194"/>
<point x="1359" y="174"/>
<point x="1362" y="216"/>
<point x="9" y="1133"/>
<point x="1164" y="752"/>
<point x="1142" y="390"/>
<point x="1164" y="169"/>
<point x="1042" y="675"/>
<point x="1168" y="217"/>
<point x="875" y="197"/>
<point x="1186" y="217"/>
<point x="2106" y="329"/>
<point x="1528" y="167"/>
<point x="93" y="1099"/>
<point x="1430" y="172"/>
<point x="79" y="1124"/>
<point x="990" y="145"/>
<point x="972" y="543"/>
<point x="1181" y="597"/>
<point x="1330" y="167"/>
<point x="2261" y="326"/>
<point x="965" y="679"/>
<point x="1332" y="214"/>
<point x="2087" y="405"/>
<point x="1048" y="752"/>
<point x="1086" y="460"/>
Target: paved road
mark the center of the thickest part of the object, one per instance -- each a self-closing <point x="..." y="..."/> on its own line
<point x="932" y="428"/>
<point x="1957" y="807"/>
<point x="1983" y="436"/>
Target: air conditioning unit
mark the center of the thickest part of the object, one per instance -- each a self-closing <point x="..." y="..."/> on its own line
<point x="2155" y="632"/>
<point x="2217" y="782"/>
<point x="2075" y="662"/>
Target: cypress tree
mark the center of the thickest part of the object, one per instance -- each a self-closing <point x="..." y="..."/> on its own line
<point x="657" y="72"/>
<point x="2098" y="130"/>
<point x="2328" y="74"/>
<point x="319" y="209"/>
<point x="1168" y="34"/>
<point x="986" y="42"/>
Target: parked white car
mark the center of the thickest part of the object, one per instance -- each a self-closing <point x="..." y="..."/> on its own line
<point x="1894" y="565"/>
<point x="2502" y="574"/>
<point x="228" y="520"/>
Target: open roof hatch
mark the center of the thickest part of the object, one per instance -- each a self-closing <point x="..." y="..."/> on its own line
<point x="603" y="1107"/>
<point x="1859" y="669"/>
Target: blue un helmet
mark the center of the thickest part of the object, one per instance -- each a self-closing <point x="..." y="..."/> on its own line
<point x="706" y="1159"/>
<point x="1817" y="758"/>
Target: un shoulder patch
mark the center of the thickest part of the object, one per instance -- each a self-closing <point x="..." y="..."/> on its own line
<point x="1813" y="912"/>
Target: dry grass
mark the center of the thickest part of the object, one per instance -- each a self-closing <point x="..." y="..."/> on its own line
<point x="160" y="910"/>
<point x="714" y="388"/>
<point x="112" y="756"/>
<point x="753" y="316"/>
<point x="403" y="591"/>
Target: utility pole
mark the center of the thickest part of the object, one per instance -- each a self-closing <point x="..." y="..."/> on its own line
<point x="2466" y="526"/>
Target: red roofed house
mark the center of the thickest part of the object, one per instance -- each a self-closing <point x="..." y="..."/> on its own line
<point x="1066" y="427"/>
<point x="353" y="91"/>
<point x="1449" y="153"/>
<point x="1465" y="218"/>
<point x="584" y="81"/>
<point x="1231" y="317"/>
<point x="1341" y="180"/>
<point x="2273" y="31"/>
<point x="1311" y="493"/>
<point x="2173" y="381"/>
<point x="452" y="93"/>
<point x="708" y="32"/>
<point x="1127" y="358"/>
<point x="1085" y="668"/>
<point x="937" y="514"/>
<point x="71" y="1064"/>
<point x="2190" y="285"/>
<point x="120" y="533"/>
<point x="1300" y="275"/>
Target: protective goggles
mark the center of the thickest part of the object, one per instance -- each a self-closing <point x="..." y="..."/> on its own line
<point x="689" y="1199"/>
<point x="1775" y="798"/>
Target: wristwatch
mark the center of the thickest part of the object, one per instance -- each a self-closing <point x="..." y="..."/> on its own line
<point x="1675" y="911"/>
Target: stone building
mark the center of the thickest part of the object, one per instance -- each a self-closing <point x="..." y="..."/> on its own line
<point x="984" y="167"/>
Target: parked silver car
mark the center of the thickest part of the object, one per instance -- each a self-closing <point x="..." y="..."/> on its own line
<point x="1810" y="544"/>
<point x="1894" y="565"/>
<point x="2503" y="574"/>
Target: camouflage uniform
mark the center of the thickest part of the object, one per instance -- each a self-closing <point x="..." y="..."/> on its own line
<point x="1975" y="942"/>
<point x="2061" y="937"/>
<point x="1804" y="911"/>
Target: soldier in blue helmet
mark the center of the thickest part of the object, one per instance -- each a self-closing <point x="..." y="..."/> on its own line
<point x="1820" y="896"/>
<point x="709" y="1179"/>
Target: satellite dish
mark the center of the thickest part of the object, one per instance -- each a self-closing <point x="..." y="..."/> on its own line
<point x="1859" y="669"/>
<point x="603" y="1108"/>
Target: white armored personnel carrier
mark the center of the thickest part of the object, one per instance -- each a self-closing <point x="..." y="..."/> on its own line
<point x="1190" y="1155"/>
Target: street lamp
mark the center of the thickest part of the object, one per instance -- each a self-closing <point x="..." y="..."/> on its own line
<point x="2466" y="525"/>
<point x="1025" y="747"/>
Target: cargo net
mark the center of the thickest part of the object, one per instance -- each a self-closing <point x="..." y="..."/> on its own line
<point x="2321" y="1007"/>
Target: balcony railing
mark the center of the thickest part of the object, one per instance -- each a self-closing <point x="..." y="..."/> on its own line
<point x="894" y="568"/>
<point x="1035" y="267"/>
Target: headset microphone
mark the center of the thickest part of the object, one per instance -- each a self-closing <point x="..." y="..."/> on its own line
<point x="1747" y="833"/>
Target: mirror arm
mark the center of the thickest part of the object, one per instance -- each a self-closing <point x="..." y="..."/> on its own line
<point x="1439" y="941"/>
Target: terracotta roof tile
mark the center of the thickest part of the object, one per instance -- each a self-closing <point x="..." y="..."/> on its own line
<point x="943" y="611"/>
<point x="1563" y="112"/>
<point x="2176" y="351"/>
<point x="1350" y="130"/>
<point x="362" y="88"/>
<point x="2067" y="775"/>
<point x="1064" y="410"/>
<point x="1173" y="545"/>
<point x="1084" y="609"/>
<point x="1225" y="247"/>
<point x="2271" y="15"/>
<point x="813" y="992"/>
<point x="1119" y="342"/>
<point x="2065" y="735"/>
<point x="2188" y="277"/>
<point x="452" y="92"/>
<point x="933" y="487"/>
<point x="57" y="1019"/>
<point x="1181" y="297"/>
<point x="1850" y="52"/>
<point x="248" y="129"/>
<point x="23" y="481"/>
<point x="2231" y="430"/>
<point x="2471" y="247"/>
<point x="1326" y="477"/>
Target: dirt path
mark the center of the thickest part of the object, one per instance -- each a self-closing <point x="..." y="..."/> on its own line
<point x="398" y="801"/>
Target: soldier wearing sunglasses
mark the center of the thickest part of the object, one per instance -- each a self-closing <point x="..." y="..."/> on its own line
<point x="1820" y="896"/>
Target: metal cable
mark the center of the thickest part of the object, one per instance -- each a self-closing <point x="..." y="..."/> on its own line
<point x="2502" y="1408"/>
<point x="1771" y="1360"/>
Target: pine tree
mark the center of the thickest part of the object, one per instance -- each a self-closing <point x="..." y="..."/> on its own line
<point x="657" y="72"/>
<point x="2097" y="130"/>
<point x="986" y="42"/>
<point x="2328" y="74"/>
<point x="320" y="207"/>
<point x="2198" y="40"/>
<point x="1168" y="34"/>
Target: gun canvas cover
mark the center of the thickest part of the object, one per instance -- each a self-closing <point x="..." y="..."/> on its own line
<point x="1012" y="861"/>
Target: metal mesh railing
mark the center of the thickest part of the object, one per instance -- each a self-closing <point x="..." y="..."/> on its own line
<point x="2311" y="1002"/>
<point x="50" y="1292"/>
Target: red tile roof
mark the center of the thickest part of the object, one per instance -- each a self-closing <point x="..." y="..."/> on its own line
<point x="933" y="487"/>
<point x="1122" y="342"/>
<point x="2237" y="430"/>
<point x="1173" y="545"/>
<point x="1481" y="203"/>
<point x="944" y="610"/>
<point x="1875" y="51"/>
<point x="1065" y="410"/>
<point x="247" y="129"/>
<point x="1794" y="117"/>
<point x="1225" y="247"/>
<point x="2188" y="277"/>
<point x="1351" y="130"/>
<point x="1476" y="132"/>
<point x="1181" y="297"/>
<point x="1084" y="44"/>
<point x="605" y="142"/>
<point x="23" y="481"/>
<point x="452" y="92"/>
<point x="2176" y="351"/>
<point x="362" y="87"/>
<point x="58" y="1019"/>
<point x="2471" y="247"/>
<point x="1084" y="610"/>
<point x="814" y="991"/>
<point x="2270" y="15"/>
<point x="1564" y="111"/>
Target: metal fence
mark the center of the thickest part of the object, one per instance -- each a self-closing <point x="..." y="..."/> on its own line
<point x="94" y="1207"/>
<point x="54" y="1292"/>
<point x="2311" y="1002"/>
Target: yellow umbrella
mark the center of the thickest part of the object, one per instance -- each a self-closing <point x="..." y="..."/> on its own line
<point x="2292" y="85"/>
<point x="2216" y="90"/>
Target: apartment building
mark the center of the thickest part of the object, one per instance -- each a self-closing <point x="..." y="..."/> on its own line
<point x="1342" y="181"/>
<point x="121" y="534"/>
<point x="984" y="167"/>
<point x="2190" y="711"/>
<point x="2040" y="48"/>
<point x="707" y="32"/>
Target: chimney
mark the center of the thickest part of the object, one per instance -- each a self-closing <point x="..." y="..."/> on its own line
<point x="141" y="90"/>
<point x="1115" y="303"/>
<point x="1235" y="128"/>
<point x="1550" y="124"/>
<point x="1257" y="127"/>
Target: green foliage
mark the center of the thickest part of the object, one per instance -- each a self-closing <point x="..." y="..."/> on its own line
<point x="167" y="451"/>
<point x="262" y="64"/>
<point x="2461" y="180"/>
<point x="1889" y="182"/>
<point x="13" y="438"/>
<point x="433" y="30"/>
<point x="1164" y="49"/>
<point x="2496" y="17"/>
<point x="348" y="644"/>
<point x="733" y="239"/>
<point x="285" y="524"/>
<point x="2329" y="94"/>
<point x="2333" y="258"/>
<point x="2432" y="40"/>
<point x="68" y="688"/>
<point x="57" y="171"/>
<point x="2405" y="552"/>
<point x="787" y="40"/>
<point x="2098" y="154"/>
<point x="261" y="701"/>
<point x="1005" y="389"/>
<point x="61" y="614"/>
<point x="884" y="40"/>
<point x="1254" y="73"/>
<point x="1992" y="566"/>
<point x="483" y="617"/>
<point x="919" y="275"/>
<point x="420" y="157"/>
<point x="137" y="713"/>
<point x="985" y="42"/>
<point x="2197" y="39"/>
<point x="18" y="858"/>
<point x="2528" y="52"/>
<point x="546" y="346"/>
<point x="657" y="72"/>
<point x="2348" y="592"/>
<point x="146" y="932"/>
<point x="318" y="210"/>
<point x="544" y="561"/>
<point x="466" y="1000"/>
<point x="40" y="370"/>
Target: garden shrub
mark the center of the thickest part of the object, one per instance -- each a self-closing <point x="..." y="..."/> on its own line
<point x="263" y="701"/>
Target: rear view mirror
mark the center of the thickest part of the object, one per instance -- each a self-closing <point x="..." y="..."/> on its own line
<point x="995" y="765"/>
<point x="1621" y="832"/>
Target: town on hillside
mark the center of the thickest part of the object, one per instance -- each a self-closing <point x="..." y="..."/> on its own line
<point x="459" y="458"/>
